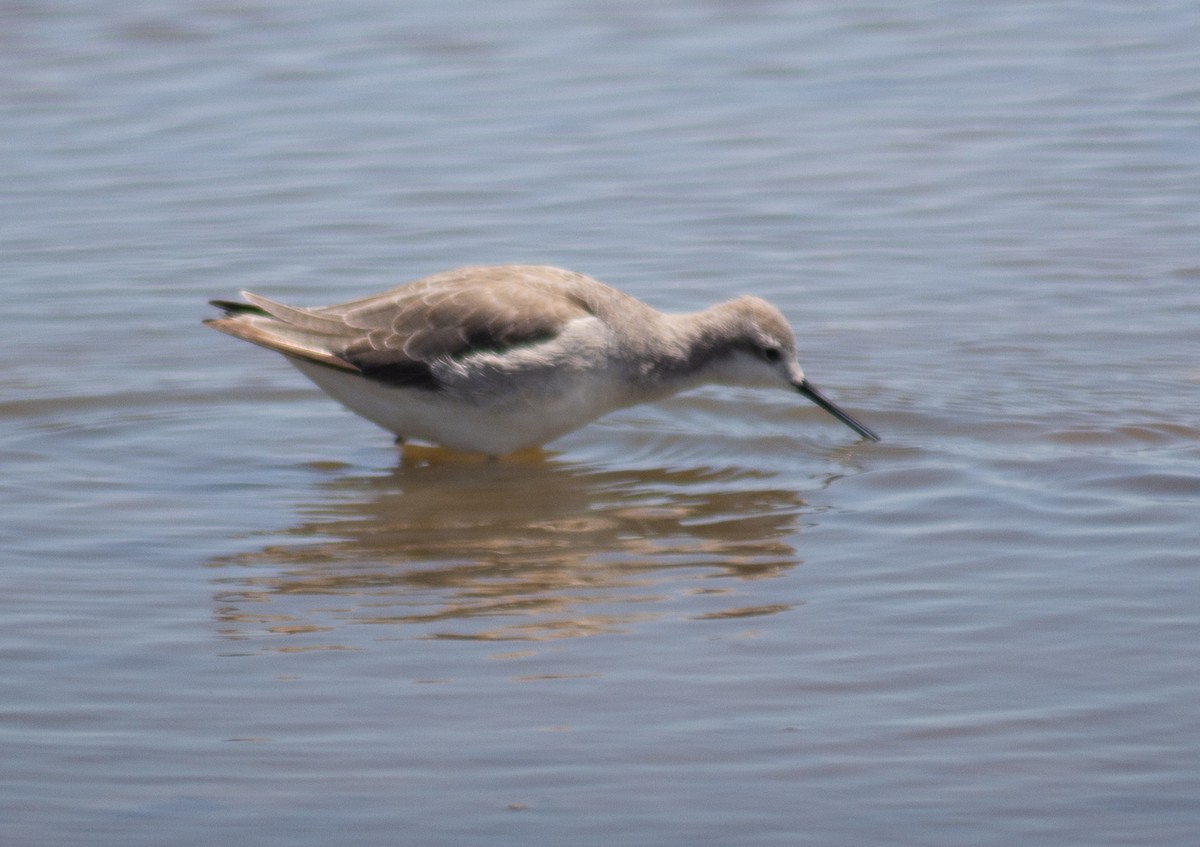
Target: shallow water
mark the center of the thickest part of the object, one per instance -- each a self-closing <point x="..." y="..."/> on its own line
<point x="233" y="611"/>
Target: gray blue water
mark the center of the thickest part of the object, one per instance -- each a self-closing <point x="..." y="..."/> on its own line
<point x="232" y="612"/>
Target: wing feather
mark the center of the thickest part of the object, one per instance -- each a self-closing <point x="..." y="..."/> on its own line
<point x="397" y="336"/>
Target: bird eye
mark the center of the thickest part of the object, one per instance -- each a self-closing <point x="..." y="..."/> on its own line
<point x="772" y="354"/>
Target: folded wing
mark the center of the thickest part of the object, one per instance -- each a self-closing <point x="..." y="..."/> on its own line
<point x="397" y="336"/>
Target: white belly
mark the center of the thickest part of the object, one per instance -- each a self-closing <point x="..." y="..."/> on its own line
<point x="496" y="424"/>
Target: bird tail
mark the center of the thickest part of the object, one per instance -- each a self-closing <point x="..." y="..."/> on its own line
<point x="299" y="333"/>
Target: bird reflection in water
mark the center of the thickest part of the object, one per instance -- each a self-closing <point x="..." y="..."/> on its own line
<point x="530" y="548"/>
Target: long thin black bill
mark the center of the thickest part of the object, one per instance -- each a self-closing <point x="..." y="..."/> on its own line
<point x="806" y="388"/>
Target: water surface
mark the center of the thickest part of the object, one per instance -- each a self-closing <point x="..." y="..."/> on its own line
<point x="235" y="612"/>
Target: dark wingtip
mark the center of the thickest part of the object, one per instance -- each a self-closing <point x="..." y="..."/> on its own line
<point x="233" y="307"/>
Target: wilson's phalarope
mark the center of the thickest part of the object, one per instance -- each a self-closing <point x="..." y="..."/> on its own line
<point x="496" y="359"/>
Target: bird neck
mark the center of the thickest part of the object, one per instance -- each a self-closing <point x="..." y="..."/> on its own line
<point x="681" y="352"/>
